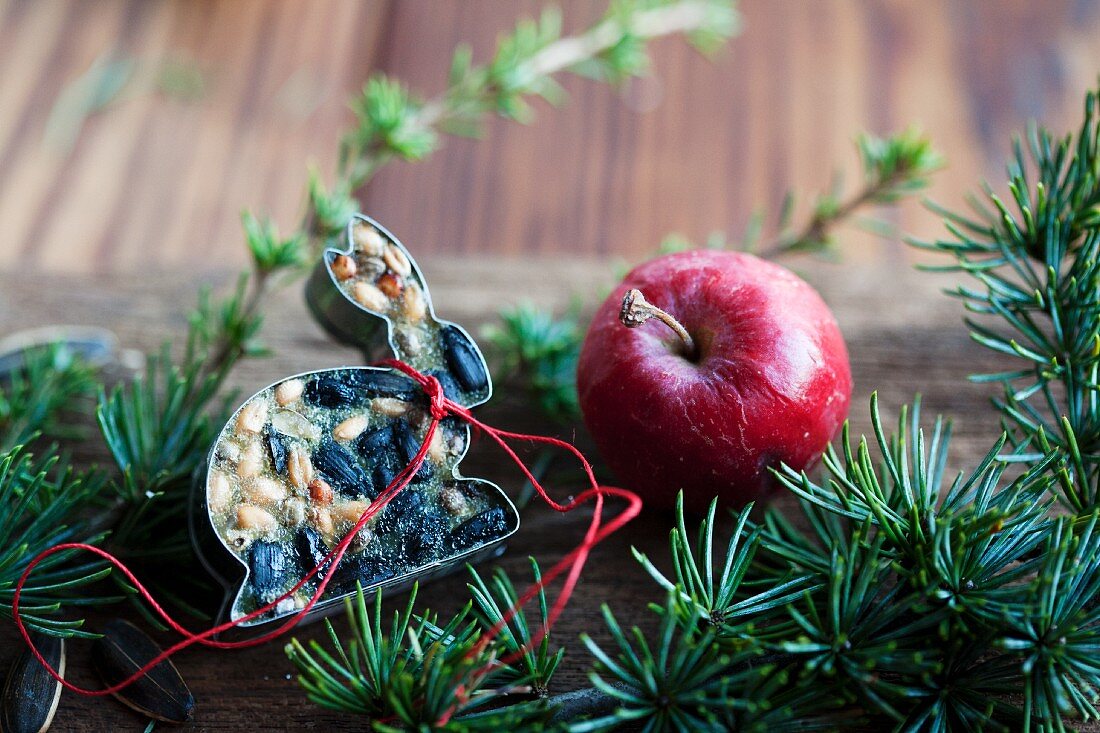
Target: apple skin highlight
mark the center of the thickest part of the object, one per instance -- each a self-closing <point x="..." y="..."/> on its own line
<point x="770" y="381"/>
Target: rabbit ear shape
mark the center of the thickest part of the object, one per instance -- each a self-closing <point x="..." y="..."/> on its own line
<point x="372" y="295"/>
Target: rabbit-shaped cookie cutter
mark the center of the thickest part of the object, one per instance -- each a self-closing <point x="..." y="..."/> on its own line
<point x="298" y="463"/>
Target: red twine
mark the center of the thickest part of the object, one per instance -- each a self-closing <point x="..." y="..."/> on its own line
<point x="440" y="407"/>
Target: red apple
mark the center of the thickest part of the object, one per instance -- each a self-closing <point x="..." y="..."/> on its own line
<point x="765" y="382"/>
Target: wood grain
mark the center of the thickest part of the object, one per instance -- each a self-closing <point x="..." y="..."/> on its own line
<point x="900" y="345"/>
<point x="156" y="184"/>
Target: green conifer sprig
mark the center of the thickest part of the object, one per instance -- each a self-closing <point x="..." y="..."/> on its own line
<point x="417" y="675"/>
<point x="1036" y="296"/>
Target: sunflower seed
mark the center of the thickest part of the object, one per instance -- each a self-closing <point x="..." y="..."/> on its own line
<point x="289" y="391"/>
<point x="396" y="260"/>
<point x="377" y="383"/>
<point x="311" y="549"/>
<point x="343" y="267"/>
<point x="253" y="517"/>
<point x="366" y="568"/>
<point x="300" y="468"/>
<point x="367" y="239"/>
<point x="451" y="390"/>
<point x="350" y="429"/>
<point x="463" y="359"/>
<point x="334" y="391"/>
<point x="479" y="529"/>
<point x="423" y="534"/>
<point x="252" y="417"/>
<point x="294" y="424"/>
<point x="219" y="492"/>
<point x="409" y="445"/>
<point x="369" y="297"/>
<point x="30" y="693"/>
<point x="276" y="448"/>
<point x="342" y="471"/>
<point x="271" y="570"/>
<point x="161" y="694"/>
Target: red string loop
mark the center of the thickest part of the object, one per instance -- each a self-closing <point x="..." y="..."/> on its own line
<point x="439" y="407"/>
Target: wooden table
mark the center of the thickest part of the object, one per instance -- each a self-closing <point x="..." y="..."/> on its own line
<point x="156" y="182"/>
<point x="904" y="337"/>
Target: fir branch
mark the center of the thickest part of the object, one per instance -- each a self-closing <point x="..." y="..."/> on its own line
<point x="423" y="676"/>
<point x="915" y="601"/>
<point x="43" y="396"/>
<point x="42" y="501"/>
<point x="893" y="168"/>
<point x="1037" y="296"/>
<point x="538" y="352"/>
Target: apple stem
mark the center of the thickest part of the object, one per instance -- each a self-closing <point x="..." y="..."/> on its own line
<point x="637" y="310"/>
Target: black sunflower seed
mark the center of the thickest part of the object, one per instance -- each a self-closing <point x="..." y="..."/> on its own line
<point x="342" y="470"/>
<point x="407" y="502"/>
<point x="407" y="445"/>
<point x="451" y="390"/>
<point x="384" y="384"/>
<point x="365" y="567"/>
<point x="463" y="360"/>
<point x="334" y="391"/>
<point x="161" y="694"/>
<point x="423" y="532"/>
<point x="375" y="442"/>
<point x="311" y="549"/>
<point x="479" y="529"/>
<point x="271" y="567"/>
<point x="30" y="693"/>
<point x="276" y="448"/>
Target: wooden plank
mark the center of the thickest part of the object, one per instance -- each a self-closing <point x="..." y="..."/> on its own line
<point x="904" y="337"/>
<point x="155" y="184"/>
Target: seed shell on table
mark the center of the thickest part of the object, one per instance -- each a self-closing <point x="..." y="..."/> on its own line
<point x="31" y="694"/>
<point x="161" y="694"/>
